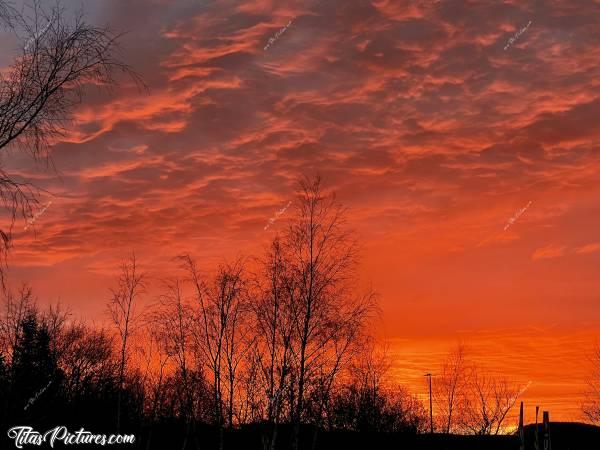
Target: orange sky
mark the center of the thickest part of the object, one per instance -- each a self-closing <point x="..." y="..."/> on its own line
<point x="431" y="132"/>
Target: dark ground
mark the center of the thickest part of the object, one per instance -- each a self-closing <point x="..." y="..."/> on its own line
<point x="564" y="436"/>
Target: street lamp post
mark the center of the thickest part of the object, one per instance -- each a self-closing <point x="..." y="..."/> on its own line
<point x="430" y="403"/>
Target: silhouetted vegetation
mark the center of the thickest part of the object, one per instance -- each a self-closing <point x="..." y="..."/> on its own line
<point x="591" y="405"/>
<point x="58" y="58"/>
<point x="273" y="352"/>
<point x="469" y="399"/>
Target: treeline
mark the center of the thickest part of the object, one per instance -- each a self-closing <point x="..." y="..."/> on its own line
<point x="280" y="343"/>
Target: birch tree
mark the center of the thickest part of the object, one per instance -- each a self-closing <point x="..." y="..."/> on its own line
<point x="327" y="314"/>
<point x="123" y="311"/>
<point x="220" y="333"/>
<point x="274" y="317"/>
<point x="172" y="323"/>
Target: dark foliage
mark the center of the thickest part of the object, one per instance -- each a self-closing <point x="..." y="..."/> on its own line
<point x="365" y="409"/>
<point x="66" y="379"/>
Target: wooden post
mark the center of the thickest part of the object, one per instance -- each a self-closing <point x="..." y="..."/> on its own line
<point x="547" y="444"/>
<point x="521" y="430"/>
<point x="537" y="433"/>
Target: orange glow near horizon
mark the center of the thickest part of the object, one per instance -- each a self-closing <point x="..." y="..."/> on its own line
<point x="432" y="135"/>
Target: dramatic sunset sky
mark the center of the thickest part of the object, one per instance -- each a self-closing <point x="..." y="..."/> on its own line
<point x="432" y="133"/>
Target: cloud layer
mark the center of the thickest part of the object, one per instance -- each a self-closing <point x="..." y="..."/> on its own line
<point x="429" y="130"/>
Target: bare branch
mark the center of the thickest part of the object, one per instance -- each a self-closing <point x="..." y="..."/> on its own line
<point x="39" y="91"/>
<point x="591" y="406"/>
<point x="123" y="312"/>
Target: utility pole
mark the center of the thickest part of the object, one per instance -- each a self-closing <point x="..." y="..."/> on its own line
<point x="430" y="403"/>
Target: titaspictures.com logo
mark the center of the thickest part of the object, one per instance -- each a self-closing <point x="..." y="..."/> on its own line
<point x="24" y="435"/>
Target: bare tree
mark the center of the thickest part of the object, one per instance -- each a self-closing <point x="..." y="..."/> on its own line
<point x="221" y="335"/>
<point x="486" y="403"/>
<point x="43" y="85"/>
<point x="6" y="14"/>
<point x="449" y="386"/>
<point x="238" y="339"/>
<point x="55" y="319"/>
<point x="122" y="308"/>
<point x="591" y="406"/>
<point x="251" y="393"/>
<point x="155" y="356"/>
<point x="173" y="323"/>
<point x="277" y="290"/>
<point x="210" y="336"/>
<point x="345" y="336"/>
<point x="327" y="316"/>
<point x="16" y="308"/>
<point x="369" y="401"/>
<point x="358" y="404"/>
<point x="85" y="356"/>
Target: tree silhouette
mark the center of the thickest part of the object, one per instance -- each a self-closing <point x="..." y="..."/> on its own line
<point x="34" y="372"/>
<point x="40" y="89"/>
<point x="486" y="403"/>
<point x="282" y="354"/>
<point x="367" y="404"/>
<point x="591" y="405"/>
<point x="449" y="387"/>
<point x="122" y="308"/>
